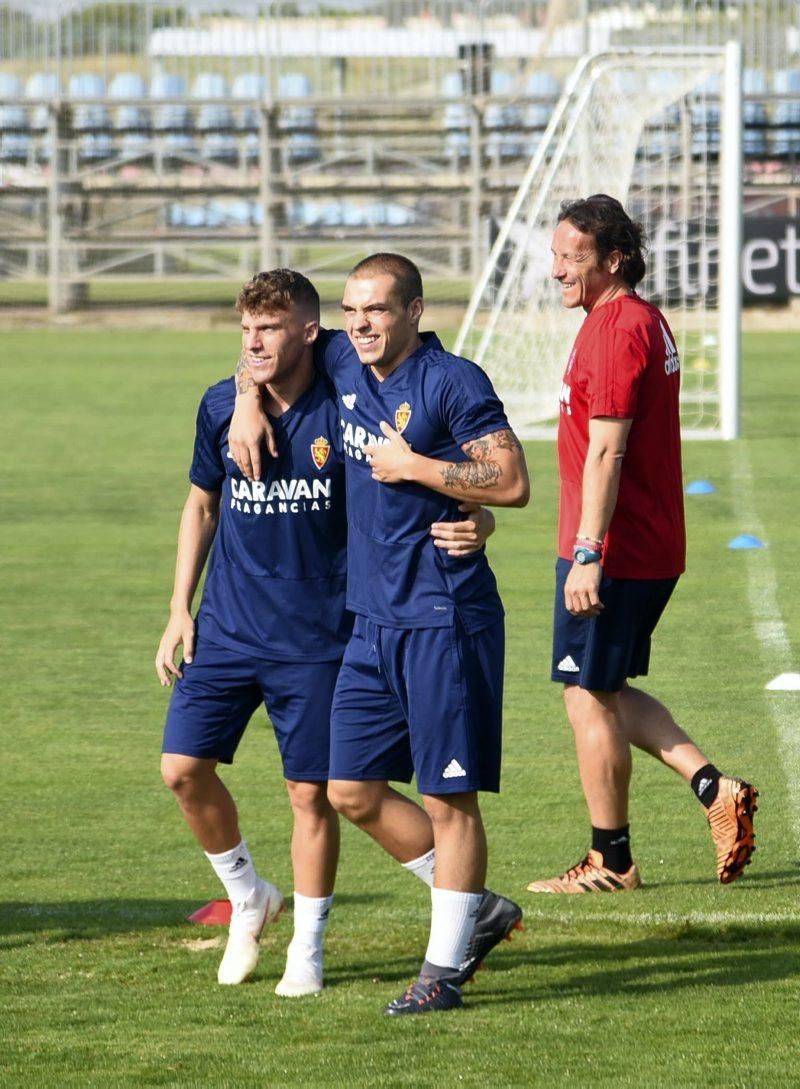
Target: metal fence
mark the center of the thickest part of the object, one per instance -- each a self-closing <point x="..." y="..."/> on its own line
<point x="194" y="141"/>
<point x="360" y="48"/>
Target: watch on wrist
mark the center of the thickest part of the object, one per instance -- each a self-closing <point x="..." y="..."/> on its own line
<point x="583" y="555"/>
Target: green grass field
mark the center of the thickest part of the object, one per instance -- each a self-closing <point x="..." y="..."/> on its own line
<point x="684" y="983"/>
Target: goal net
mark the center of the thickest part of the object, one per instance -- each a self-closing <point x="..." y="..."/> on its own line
<point x="661" y="131"/>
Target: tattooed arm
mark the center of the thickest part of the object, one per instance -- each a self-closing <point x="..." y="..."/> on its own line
<point x="250" y="425"/>
<point x="496" y="472"/>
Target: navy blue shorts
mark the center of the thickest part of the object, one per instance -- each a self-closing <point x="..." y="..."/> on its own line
<point x="221" y="689"/>
<point x="425" y="701"/>
<point x="601" y="652"/>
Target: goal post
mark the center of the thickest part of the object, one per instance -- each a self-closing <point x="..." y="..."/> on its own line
<point x="660" y="129"/>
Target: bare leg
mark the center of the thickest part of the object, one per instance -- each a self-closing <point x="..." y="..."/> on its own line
<point x="604" y="755"/>
<point x="206" y="802"/>
<point x="315" y="838"/>
<point x="460" y="839"/>
<point x="649" y="726"/>
<point x="397" y="823"/>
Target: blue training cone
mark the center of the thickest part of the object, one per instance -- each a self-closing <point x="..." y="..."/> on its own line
<point x="746" y="540"/>
<point x="700" y="487"/>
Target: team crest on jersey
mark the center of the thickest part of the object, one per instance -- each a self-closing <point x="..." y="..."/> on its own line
<point x="401" y="416"/>
<point x="320" y="451"/>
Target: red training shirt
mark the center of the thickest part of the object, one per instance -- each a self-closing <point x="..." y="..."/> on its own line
<point x="624" y="364"/>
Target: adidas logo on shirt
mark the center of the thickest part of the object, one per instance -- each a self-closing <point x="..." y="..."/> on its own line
<point x="567" y="665"/>
<point x="453" y="770"/>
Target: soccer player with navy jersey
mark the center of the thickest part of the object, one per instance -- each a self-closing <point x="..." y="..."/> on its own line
<point x="271" y="628"/>
<point x="621" y="547"/>
<point x="420" y="690"/>
<point x="272" y="623"/>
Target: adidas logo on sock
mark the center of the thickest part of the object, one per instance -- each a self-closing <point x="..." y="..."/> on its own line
<point x="703" y="786"/>
<point x="453" y="770"/>
<point x="567" y="665"/>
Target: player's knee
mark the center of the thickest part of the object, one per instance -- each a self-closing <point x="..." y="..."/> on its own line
<point x="309" y="799"/>
<point x="181" y="774"/>
<point x="453" y="811"/>
<point x="355" y="801"/>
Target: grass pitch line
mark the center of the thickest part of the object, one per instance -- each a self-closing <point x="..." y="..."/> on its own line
<point x="776" y="651"/>
<point x="664" y="918"/>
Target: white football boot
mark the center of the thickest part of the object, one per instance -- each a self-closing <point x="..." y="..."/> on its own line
<point x="248" y="919"/>
<point x="303" y="973"/>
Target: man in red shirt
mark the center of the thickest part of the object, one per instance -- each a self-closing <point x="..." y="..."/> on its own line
<point x="622" y="547"/>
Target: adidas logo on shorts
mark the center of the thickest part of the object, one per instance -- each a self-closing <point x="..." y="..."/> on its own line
<point x="453" y="770"/>
<point x="567" y="665"/>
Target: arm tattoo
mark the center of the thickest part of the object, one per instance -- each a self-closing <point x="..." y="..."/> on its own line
<point x="471" y="474"/>
<point x="481" y="471"/>
<point x="244" y="380"/>
<point x="498" y="440"/>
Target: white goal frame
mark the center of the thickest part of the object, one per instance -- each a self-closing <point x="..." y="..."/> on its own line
<point x="513" y="297"/>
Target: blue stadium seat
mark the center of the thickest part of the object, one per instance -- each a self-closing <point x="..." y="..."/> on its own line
<point x="298" y="122"/>
<point x="390" y="214"/>
<point x="173" y="120"/>
<point x="546" y="86"/>
<point x="212" y="116"/>
<point x="42" y="85"/>
<point x="456" y="117"/>
<point x="12" y="118"/>
<point x="130" y="117"/>
<point x="706" y="114"/>
<point x="786" y="118"/>
<point x="663" y="134"/>
<point x="504" y="116"/>
<point x="88" y="117"/>
<point x="754" y="114"/>
<point x="171" y="117"/>
<point x="15" y="140"/>
<point x="248" y="85"/>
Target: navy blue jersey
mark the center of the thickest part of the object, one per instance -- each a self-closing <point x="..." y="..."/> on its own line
<point x="397" y="577"/>
<point x="275" y="586"/>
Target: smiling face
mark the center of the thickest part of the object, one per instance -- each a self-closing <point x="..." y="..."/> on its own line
<point x="585" y="279"/>
<point x="381" y="328"/>
<point x="274" y="343"/>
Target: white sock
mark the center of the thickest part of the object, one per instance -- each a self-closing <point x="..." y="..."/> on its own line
<point x="236" y="871"/>
<point x="453" y="916"/>
<point x="310" y="919"/>
<point x="422" y="867"/>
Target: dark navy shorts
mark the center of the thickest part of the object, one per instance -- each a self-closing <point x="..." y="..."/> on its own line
<point x="221" y="689"/>
<point x="601" y="652"/>
<point x="422" y="701"/>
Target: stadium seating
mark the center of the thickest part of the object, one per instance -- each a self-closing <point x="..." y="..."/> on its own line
<point x="542" y="85"/>
<point x="505" y="117"/>
<point x="15" y="140"/>
<point x="348" y="213"/>
<point x="89" y="117"/>
<point x="786" y="118"/>
<point x="130" y="117"/>
<point x="248" y="86"/>
<point x="299" y="123"/>
<point x="91" y="121"/>
<point x="663" y="132"/>
<point x="41" y="87"/>
<point x="172" y="121"/>
<point x="754" y="115"/>
<point x="706" y="121"/>
<point x="455" y="118"/>
<point x="215" y="120"/>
